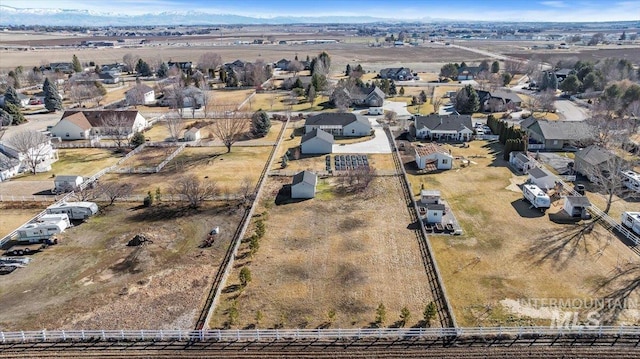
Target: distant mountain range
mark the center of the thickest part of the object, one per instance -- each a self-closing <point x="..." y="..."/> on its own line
<point x="70" y="17"/>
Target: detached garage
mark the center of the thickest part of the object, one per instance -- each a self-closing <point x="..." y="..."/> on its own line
<point x="304" y="185"/>
<point x="316" y="141"/>
<point x="576" y="206"/>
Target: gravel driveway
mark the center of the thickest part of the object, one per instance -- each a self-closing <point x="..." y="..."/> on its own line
<point x="379" y="144"/>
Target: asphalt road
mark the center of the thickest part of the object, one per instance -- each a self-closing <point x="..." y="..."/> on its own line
<point x="37" y="122"/>
<point x="569" y="111"/>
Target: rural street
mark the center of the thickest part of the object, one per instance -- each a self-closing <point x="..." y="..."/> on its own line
<point x="569" y="111"/>
<point x="378" y="144"/>
<point x="37" y="122"/>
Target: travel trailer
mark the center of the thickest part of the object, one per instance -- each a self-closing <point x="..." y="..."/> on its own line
<point x="75" y="210"/>
<point x="536" y="196"/>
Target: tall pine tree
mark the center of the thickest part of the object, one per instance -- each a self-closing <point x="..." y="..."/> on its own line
<point x="77" y="67"/>
<point x="260" y="124"/>
<point x="11" y="96"/>
<point x="52" y="100"/>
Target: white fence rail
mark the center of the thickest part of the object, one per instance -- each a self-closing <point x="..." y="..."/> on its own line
<point x="306" y="334"/>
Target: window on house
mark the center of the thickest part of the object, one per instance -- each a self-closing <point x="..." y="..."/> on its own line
<point x="353" y="131"/>
<point x="445" y="161"/>
<point x="67" y="134"/>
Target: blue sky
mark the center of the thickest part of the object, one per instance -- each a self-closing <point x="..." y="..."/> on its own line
<point x="487" y="10"/>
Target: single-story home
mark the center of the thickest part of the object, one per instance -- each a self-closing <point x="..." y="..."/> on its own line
<point x="370" y="96"/>
<point x="431" y="156"/>
<point x="140" y="94"/>
<point x="468" y="73"/>
<point x="430" y="196"/>
<point x="78" y="125"/>
<point x="593" y="161"/>
<point x="555" y="135"/>
<point x="542" y="178"/>
<point x="109" y="77"/>
<point x="339" y="124"/>
<point x="562" y="74"/>
<point x="192" y="134"/>
<point x="576" y="206"/>
<point x="9" y="167"/>
<point x="190" y="96"/>
<point x="396" y="73"/>
<point x="520" y="161"/>
<point x="316" y="141"/>
<point x="443" y="127"/>
<point x="498" y="100"/>
<point x="435" y="213"/>
<point x="304" y="185"/>
<point x="64" y="184"/>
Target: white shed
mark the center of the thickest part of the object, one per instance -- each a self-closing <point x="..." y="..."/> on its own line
<point x="435" y="213"/>
<point x="316" y="141"/>
<point x="542" y="178"/>
<point x="576" y="206"/>
<point x="430" y="196"/>
<point x="304" y="185"/>
<point x="64" y="184"/>
<point x="520" y="161"/>
<point x="193" y="134"/>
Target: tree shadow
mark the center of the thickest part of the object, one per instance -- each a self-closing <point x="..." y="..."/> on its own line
<point x="617" y="290"/>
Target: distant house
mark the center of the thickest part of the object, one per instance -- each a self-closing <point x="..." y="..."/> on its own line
<point x="140" y="94"/>
<point x="555" y="135"/>
<point x="316" y="141"/>
<point x="304" y="185"/>
<point x="185" y="66"/>
<point x="192" y="134"/>
<point x="289" y="83"/>
<point x="63" y="184"/>
<point x="364" y="96"/>
<point x="282" y="64"/>
<point x="431" y="156"/>
<point x="542" y="178"/>
<point x="468" y="73"/>
<point x="109" y="78"/>
<point x="190" y="96"/>
<point x="498" y="100"/>
<point x="593" y="161"/>
<point x="520" y="161"/>
<point x="339" y="124"/>
<point x="435" y="213"/>
<point x="24" y="99"/>
<point x="396" y="73"/>
<point x="9" y="167"/>
<point x="64" y="67"/>
<point x="576" y="206"/>
<point x="563" y="73"/>
<point x="430" y="196"/>
<point x="78" y="125"/>
<point x="443" y="127"/>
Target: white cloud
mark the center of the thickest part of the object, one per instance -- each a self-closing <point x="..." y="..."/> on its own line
<point x="555" y="4"/>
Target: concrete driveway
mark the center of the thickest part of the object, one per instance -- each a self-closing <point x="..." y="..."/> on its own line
<point x="569" y="111"/>
<point x="379" y="144"/>
<point x="35" y="123"/>
<point x="400" y="108"/>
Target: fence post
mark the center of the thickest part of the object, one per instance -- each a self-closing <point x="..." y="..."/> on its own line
<point x="44" y="335"/>
<point x="258" y="334"/>
<point x="277" y="334"/>
<point x="121" y="334"/>
<point x="23" y="338"/>
<point x="219" y="335"/>
<point x="82" y="333"/>
<point x="103" y="336"/>
<point x="64" y="336"/>
<point x="238" y="334"/>
<point x="161" y="335"/>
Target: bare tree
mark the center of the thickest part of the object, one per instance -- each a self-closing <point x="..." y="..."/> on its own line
<point x="546" y="99"/>
<point x="114" y="190"/>
<point x="194" y="191"/>
<point x="209" y="62"/>
<point x="85" y="193"/>
<point x="437" y="102"/>
<point x="174" y="124"/>
<point x="81" y="93"/>
<point x="130" y="60"/>
<point x="230" y="130"/>
<point x="34" y="147"/>
<point x="514" y="67"/>
<point x="207" y="103"/>
<point x="295" y="66"/>
<point x="117" y="127"/>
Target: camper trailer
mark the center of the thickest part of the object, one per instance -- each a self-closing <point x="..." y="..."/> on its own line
<point x="631" y="179"/>
<point x="39" y="231"/>
<point x="536" y="196"/>
<point x="632" y="221"/>
<point x="75" y="210"/>
<point x="59" y="217"/>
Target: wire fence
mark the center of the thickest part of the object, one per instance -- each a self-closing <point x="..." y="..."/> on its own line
<point x="311" y="334"/>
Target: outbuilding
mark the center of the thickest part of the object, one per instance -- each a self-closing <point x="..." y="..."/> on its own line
<point x="542" y="178"/>
<point x="435" y="213"/>
<point x="63" y="184"/>
<point x="192" y="134"/>
<point x="430" y="196"/>
<point x="316" y="141"/>
<point x="576" y="206"/>
<point x="304" y="185"/>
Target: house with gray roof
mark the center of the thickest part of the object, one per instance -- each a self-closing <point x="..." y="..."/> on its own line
<point x="304" y="185"/>
<point x="9" y="167"/>
<point x="339" y="124"/>
<point x="542" y="178"/>
<point x="370" y="96"/>
<point x="316" y="141"/>
<point x="468" y="73"/>
<point x="555" y="135"/>
<point x="396" y="73"/>
<point x="520" y="161"/>
<point x="443" y="127"/>
<point x="498" y="100"/>
<point x="593" y="161"/>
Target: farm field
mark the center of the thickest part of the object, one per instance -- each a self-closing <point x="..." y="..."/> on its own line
<point x="509" y="253"/>
<point x="91" y="279"/>
<point x="332" y="252"/>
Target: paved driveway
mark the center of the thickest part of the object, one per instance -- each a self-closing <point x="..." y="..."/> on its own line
<point x="400" y="108"/>
<point x="379" y="144"/>
<point x="35" y="123"/>
<point x="569" y="111"/>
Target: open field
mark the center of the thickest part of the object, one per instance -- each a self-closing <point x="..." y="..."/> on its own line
<point x="81" y="162"/>
<point x="332" y="252"/>
<point x="15" y="214"/>
<point x="93" y="280"/>
<point x="275" y="101"/>
<point x="148" y="157"/>
<point x="509" y="252"/>
<point x="230" y="97"/>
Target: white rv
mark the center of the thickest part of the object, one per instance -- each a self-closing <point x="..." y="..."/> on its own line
<point x="632" y="221"/>
<point x="536" y="196"/>
<point x="631" y="179"/>
<point x="61" y="217"/>
<point x="75" y="210"/>
<point x="36" y="232"/>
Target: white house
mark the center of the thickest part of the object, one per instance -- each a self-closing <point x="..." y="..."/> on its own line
<point x="430" y="196"/>
<point x="435" y="212"/>
<point x="140" y="94"/>
<point x="316" y="141"/>
<point x="542" y="178"/>
<point x="64" y="184"/>
<point x="430" y="156"/>
<point x="9" y="167"/>
<point x="78" y="125"/>
<point x="304" y="185"/>
<point x="44" y="154"/>
<point x="576" y="206"/>
<point x="444" y="127"/>
<point x="192" y="134"/>
<point x="339" y="124"/>
<point x="520" y="161"/>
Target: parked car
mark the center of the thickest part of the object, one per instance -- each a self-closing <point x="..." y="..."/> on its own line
<point x="35" y="101"/>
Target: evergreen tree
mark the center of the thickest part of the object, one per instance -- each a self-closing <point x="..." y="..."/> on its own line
<point x="467" y="100"/>
<point x="348" y="70"/>
<point x="245" y="276"/>
<point x="311" y="94"/>
<point x="381" y="314"/>
<point x="553" y="81"/>
<point x="138" y="139"/>
<point x="429" y="313"/>
<point x="506" y="78"/>
<point x="495" y="67"/>
<point x="401" y="91"/>
<point x="15" y="113"/>
<point x="484" y="66"/>
<point x="5" y="118"/>
<point x="52" y="100"/>
<point x="77" y="66"/>
<point x="392" y="88"/>
<point x="143" y="68"/>
<point x="101" y="90"/>
<point x="405" y="315"/>
<point x="11" y="96"/>
<point x="297" y="84"/>
<point x="163" y="71"/>
<point x="423" y="96"/>
<point x="260" y="124"/>
<point x="319" y="82"/>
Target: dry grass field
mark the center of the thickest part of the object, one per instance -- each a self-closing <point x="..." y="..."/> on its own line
<point x="275" y="101"/>
<point x="81" y="162"/>
<point x="148" y="157"/>
<point x="92" y="280"/>
<point x="341" y="252"/>
<point x="510" y="252"/>
<point x="15" y="214"/>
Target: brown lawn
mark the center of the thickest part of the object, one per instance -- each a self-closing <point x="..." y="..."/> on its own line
<point x="82" y="162"/>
